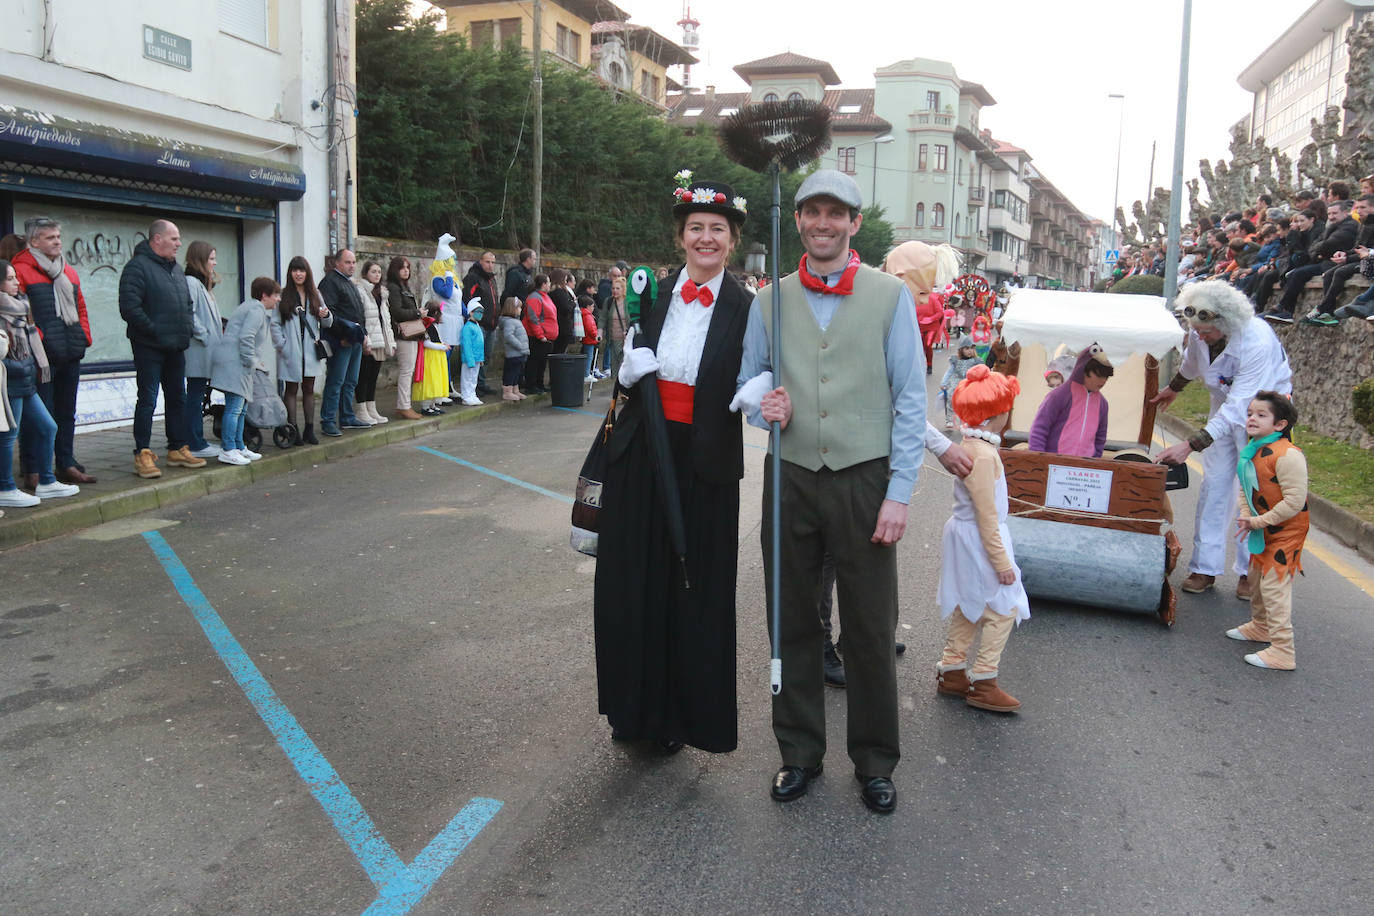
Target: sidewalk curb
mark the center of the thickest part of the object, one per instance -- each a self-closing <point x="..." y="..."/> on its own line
<point x="58" y="519"/>
<point x="1342" y="524"/>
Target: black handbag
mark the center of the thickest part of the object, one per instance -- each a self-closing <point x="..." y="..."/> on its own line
<point x="586" y="511"/>
<point x="323" y="348"/>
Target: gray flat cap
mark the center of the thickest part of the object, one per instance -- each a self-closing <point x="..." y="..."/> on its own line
<point x="831" y="183"/>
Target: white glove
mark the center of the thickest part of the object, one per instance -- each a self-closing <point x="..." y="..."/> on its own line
<point x="637" y="361"/>
<point x="431" y="345"/>
<point x="751" y="393"/>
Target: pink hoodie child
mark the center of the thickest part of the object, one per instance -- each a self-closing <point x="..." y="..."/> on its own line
<point x="1072" y="420"/>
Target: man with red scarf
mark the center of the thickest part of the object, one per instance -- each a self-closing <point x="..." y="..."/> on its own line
<point x="851" y="404"/>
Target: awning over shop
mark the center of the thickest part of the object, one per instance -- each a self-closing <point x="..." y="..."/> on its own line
<point x="44" y="139"/>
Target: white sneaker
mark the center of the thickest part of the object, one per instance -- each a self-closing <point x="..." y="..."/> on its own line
<point x="55" y="490"/>
<point x="232" y="457"/>
<point x="445" y="400"/>
<point x="18" y="499"/>
<point x="210" y="451"/>
<point x="472" y="402"/>
<point x="590" y="380"/>
<point x="250" y="454"/>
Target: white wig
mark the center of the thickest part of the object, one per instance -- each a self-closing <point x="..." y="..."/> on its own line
<point x="1227" y="306"/>
<point x="946" y="265"/>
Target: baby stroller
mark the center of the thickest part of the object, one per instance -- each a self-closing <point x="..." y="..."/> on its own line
<point x="265" y="411"/>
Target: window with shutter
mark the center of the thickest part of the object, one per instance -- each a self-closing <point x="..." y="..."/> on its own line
<point x="246" y="19"/>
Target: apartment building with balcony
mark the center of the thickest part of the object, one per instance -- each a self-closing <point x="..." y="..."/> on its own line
<point x="1063" y="240"/>
<point x="1008" y="211"/>
<point x="592" y="35"/>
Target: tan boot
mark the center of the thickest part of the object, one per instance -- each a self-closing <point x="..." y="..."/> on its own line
<point x="405" y="413"/>
<point x="145" y="464"/>
<point x="507" y="394"/>
<point x="1243" y="588"/>
<point x="1197" y="583"/>
<point x="374" y="416"/>
<point x="985" y="694"/>
<point x="182" y="458"/>
<point x="953" y="682"/>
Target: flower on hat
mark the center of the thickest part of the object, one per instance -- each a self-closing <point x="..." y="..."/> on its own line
<point x="740" y="204"/>
<point x="683" y="176"/>
<point x="704" y="196"/>
<point x="719" y="198"/>
<point x="683" y="194"/>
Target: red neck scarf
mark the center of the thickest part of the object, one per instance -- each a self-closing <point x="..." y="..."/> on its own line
<point x="844" y="288"/>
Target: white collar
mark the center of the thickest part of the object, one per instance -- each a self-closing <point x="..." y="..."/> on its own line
<point x="712" y="284"/>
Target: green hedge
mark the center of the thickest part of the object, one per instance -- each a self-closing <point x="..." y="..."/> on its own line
<point x="1140" y="285"/>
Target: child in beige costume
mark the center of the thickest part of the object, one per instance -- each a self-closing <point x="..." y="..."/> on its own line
<point x="980" y="584"/>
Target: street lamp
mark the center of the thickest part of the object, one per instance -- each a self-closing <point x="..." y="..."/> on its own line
<point x="885" y="138"/>
<point x="1116" y="186"/>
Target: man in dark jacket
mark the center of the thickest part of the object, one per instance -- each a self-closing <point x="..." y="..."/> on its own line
<point x="341" y="372"/>
<point x="155" y="303"/>
<point x="480" y="284"/>
<point x="59" y="310"/>
<point x="1340" y="235"/>
<point x="519" y="279"/>
<point x="1347" y="265"/>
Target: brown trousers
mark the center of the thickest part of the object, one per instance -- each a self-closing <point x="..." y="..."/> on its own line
<point x="1271" y="617"/>
<point x="835" y="512"/>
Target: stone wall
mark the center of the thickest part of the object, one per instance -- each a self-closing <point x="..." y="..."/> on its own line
<point x="1327" y="364"/>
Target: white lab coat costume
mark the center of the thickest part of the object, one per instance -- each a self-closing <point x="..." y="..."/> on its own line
<point x="1254" y="360"/>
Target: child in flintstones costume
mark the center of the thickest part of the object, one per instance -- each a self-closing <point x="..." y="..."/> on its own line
<point x="1273" y="489"/>
<point x="980" y="583"/>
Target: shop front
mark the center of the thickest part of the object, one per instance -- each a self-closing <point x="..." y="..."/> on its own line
<point x="106" y="186"/>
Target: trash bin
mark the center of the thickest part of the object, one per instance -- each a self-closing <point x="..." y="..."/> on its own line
<point x="566" y="378"/>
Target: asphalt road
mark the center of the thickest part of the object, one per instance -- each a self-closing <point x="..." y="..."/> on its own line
<point x="417" y="636"/>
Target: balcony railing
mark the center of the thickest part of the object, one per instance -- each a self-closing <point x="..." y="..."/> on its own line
<point x="976" y="196"/>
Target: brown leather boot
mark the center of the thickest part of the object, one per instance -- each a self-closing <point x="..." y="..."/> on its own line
<point x="145" y="464"/>
<point x="1243" y="588"/>
<point x="1197" y="583"/>
<point x="953" y="682"/>
<point x="406" y="413"/>
<point x="985" y="694"/>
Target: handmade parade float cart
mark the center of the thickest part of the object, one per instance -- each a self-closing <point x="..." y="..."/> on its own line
<point x="1091" y="531"/>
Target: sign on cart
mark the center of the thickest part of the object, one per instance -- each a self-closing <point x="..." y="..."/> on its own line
<point x="1081" y="489"/>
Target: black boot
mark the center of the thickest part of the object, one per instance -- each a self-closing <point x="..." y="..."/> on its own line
<point x="296" y="439"/>
<point x="308" y="436"/>
<point x="834" y="668"/>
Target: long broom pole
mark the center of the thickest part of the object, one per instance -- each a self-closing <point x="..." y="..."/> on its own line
<point x="775" y="604"/>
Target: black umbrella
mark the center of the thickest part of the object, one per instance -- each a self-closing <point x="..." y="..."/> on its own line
<point x="665" y="472"/>
<point x="772" y="136"/>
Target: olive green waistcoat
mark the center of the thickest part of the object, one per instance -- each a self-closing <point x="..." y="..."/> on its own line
<point x="836" y="378"/>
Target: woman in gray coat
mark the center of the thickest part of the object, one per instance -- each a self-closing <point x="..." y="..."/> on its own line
<point x="205" y="334"/>
<point x="242" y="350"/>
<point x="297" y="365"/>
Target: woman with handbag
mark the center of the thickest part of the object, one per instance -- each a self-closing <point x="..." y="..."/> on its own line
<point x="665" y="653"/>
<point x="296" y="326"/>
<point x="381" y="339"/>
<point x="410" y="331"/>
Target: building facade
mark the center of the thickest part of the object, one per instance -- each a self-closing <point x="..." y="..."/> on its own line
<point x="1301" y="74"/>
<point x="589" y="35"/>
<point x="1064" y="248"/>
<point x="213" y="115"/>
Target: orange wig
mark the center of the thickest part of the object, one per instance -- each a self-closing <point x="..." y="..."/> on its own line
<point x="983" y="394"/>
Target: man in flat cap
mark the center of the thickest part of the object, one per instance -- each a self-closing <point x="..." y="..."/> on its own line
<point x="851" y="404"/>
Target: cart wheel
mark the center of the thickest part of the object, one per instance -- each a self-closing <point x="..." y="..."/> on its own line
<point x="216" y="422"/>
<point x="252" y="437"/>
<point x="284" y="436"/>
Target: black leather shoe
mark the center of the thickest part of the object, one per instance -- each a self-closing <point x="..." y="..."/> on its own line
<point x="791" y="783"/>
<point x="878" y="793"/>
<point x="834" y="668"/>
<point x="668" y="747"/>
<point x="901" y="648"/>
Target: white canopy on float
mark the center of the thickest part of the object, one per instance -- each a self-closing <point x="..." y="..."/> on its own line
<point x="1121" y="324"/>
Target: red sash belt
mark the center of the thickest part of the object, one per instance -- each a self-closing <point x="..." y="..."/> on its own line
<point x="677" y="400"/>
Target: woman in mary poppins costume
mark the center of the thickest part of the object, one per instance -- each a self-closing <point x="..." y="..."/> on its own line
<point x="665" y="629"/>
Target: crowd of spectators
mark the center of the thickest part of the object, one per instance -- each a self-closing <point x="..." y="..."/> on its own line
<point x="1269" y="251"/>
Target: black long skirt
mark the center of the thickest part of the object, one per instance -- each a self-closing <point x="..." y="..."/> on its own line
<point x="665" y="654"/>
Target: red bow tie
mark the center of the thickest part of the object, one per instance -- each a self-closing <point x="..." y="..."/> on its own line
<point x="693" y="293"/>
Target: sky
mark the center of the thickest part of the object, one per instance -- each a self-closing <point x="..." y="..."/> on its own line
<point x="1050" y="65"/>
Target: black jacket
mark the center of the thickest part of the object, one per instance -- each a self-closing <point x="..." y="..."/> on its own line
<point x="519" y="284"/>
<point x="1338" y="237"/>
<point x="402" y="303"/>
<point x="569" y="325"/>
<point x="478" y="284"/>
<point x="155" y="301"/>
<point x="717" y="434"/>
<point x="342" y="297"/>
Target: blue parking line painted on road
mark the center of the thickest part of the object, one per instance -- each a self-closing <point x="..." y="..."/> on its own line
<point x="589" y="413"/>
<point x="497" y="474"/>
<point x="399" y="885"/>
